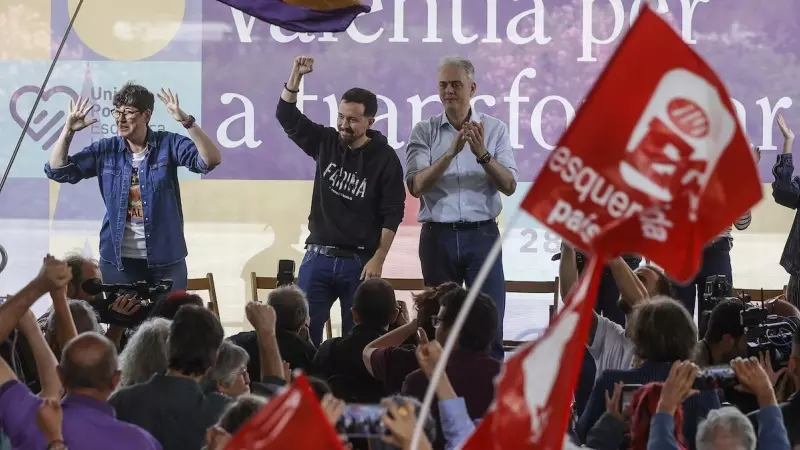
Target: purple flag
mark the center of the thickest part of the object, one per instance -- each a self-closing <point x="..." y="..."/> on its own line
<point x="303" y="16"/>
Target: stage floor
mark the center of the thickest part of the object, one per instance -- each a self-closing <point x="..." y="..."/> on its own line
<point x="232" y="251"/>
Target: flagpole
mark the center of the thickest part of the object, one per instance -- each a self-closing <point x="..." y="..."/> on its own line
<point x="3" y="253"/>
<point x="39" y="97"/>
<point x="454" y="331"/>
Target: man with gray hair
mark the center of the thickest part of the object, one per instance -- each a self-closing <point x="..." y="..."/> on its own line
<point x="291" y="331"/>
<point x="459" y="192"/>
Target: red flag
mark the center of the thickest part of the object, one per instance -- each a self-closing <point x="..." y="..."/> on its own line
<point x="291" y="420"/>
<point x="654" y="163"/>
<point x="655" y="158"/>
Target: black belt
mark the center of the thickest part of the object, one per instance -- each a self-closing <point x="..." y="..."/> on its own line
<point x="333" y="252"/>
<point x="461" y="226"/>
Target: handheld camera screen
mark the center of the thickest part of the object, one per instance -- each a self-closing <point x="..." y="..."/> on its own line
<point x="362" y="421"/>
<point x="627" y="395"/>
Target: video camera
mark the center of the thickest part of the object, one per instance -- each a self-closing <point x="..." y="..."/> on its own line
<point x="766" y="333"/>
<point x="107" y="294"/>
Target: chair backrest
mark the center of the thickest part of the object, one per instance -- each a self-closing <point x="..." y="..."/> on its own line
<point x="761" y="294"/>
<point x="417" y="284"/>
<point x="206" y="284"/>
<point x="533" y="287"/>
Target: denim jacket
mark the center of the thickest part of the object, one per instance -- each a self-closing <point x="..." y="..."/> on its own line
<point x="786" y="191"/>
<point x="110" y="161"/>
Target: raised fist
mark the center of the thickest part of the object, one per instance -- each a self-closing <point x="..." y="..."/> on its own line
<point x="261" y="316"/>
<point x="304" y="64"/>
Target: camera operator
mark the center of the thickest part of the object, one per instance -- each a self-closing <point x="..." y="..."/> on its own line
<point x="791" y="408"/>
<point x="725" y="340"/>
<point x="786" y="192"/>
<point x="725" y="337"/>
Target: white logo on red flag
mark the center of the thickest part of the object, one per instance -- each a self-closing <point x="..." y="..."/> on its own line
<point x="678" y="140"/>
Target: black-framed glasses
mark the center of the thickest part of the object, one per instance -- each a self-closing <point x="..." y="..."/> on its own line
<point x="127" y="113"/>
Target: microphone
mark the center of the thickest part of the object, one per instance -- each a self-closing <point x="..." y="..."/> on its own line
<point x="94" y="286"/>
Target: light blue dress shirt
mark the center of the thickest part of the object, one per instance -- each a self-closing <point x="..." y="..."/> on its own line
<point x="455" y="421"/>
<point x="464" y="193"/>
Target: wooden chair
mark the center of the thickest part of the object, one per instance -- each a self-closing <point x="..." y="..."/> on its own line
<point x="762" y="294"/>
<point x="269" y="283"/>
<point x="533" y="287"/>
<point x="206" y="284"/>
<point x="416" y="284"/>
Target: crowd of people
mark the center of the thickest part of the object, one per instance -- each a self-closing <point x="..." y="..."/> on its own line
<point x="174" y="381"/>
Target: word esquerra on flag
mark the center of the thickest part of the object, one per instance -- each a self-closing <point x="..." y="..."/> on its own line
<point x="292" y="419"/>
<point x="654" y="163"/>
<point x="303" y="16"/>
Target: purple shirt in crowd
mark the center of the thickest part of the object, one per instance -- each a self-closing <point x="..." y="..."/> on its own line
<point x="89" y="424"/>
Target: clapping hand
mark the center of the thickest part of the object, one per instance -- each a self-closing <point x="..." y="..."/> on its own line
<point x="474" y="137"/>
<point x="76" y="115"/>
<point x="54" y="274"/>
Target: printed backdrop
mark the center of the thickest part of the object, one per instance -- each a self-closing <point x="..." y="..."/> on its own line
<point x="534" y="65"/>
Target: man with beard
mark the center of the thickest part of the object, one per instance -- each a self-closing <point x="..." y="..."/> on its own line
<point x="358" y="199"/>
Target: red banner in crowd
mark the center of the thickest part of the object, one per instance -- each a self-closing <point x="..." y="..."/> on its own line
<point x="654" y="163"/>
<point x="291" y="420"/>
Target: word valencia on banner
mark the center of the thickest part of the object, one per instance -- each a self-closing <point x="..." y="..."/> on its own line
<point x="654" y="163"/>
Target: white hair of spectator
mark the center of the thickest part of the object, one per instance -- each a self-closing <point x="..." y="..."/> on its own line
<point x="462" y="63"/>
<point x="227" y="368"/>
<point x="731" y="421"/>
<point x="146" y="352"/>
<point x="84" y="316"/>
<point x="291" y="307"/>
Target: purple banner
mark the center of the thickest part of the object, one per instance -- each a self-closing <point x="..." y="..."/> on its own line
<point x="533" y="66"/>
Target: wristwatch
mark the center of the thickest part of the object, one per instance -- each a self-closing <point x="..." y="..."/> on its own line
<point x="484" y="159"/>
<point x="188" y="122"/>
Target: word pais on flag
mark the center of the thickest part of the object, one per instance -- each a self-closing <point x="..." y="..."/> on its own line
<point x="292" y="419"/>
<point x="654" y="163"/>
<point x="303" y="16"/>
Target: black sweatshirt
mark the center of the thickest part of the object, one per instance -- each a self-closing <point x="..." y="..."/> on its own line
<point x="357" y="192"/>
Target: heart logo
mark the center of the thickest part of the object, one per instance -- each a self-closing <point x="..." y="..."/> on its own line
<point x="40" y="125"/>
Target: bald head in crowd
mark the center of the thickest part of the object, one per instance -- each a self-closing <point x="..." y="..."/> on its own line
<point x="89" y="366"/>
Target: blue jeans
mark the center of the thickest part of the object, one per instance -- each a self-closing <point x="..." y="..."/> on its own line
<point x="716" y="261"/>
<point x="134" y="270"/>
<point x="449" y="255"/>
<point x="324" y="279"/>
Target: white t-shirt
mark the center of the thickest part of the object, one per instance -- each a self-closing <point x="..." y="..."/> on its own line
<point x="611" y="349"/>
<point x="133" y="243"/>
